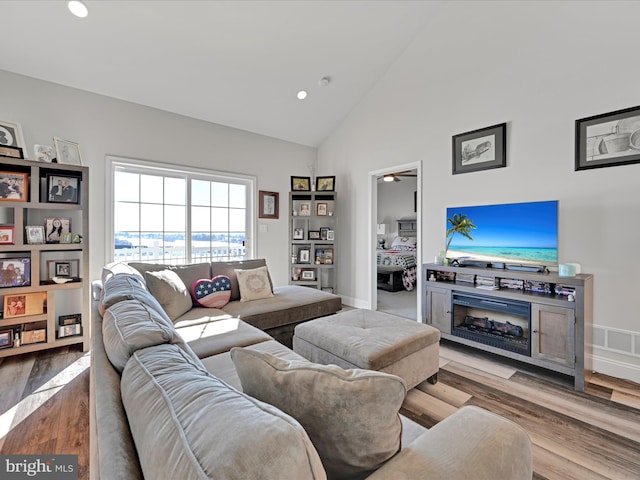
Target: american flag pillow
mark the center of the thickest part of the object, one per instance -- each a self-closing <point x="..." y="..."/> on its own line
<point x="214" y="293"/>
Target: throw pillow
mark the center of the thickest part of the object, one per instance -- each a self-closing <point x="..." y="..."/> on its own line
<point x="351" y="416"/>
<point x="170" y="291"/>
<point x="214" y="293"/>
<point x="254" y="284"/>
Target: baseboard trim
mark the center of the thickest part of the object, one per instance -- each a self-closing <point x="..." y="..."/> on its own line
<point x="354" y="302"/>
<point x="616" y="368"/>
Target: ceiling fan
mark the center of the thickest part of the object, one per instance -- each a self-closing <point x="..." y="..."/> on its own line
<point x="395" y="177"/>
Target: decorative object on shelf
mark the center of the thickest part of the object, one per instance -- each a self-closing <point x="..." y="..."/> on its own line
<point x="304" y="255"/>
<point x="44" y="153"/>
<point x="324" y="233"/>
<point x="65" y="237"/>
<point x="321" y="209"/>
<point x="6" y="234"/>
<point x="298" y="233"/>
<point x="300" y="184"/>
<point x="62" y="269"/>
<point x="15" y="272"/>
<point x="307" y="275"/>
<point x="35" y="234"/>
<point x="330" y="235"/>
<point x="25" y="304"/>
<point x="6" y="338"/>
<point x="55" y="227"/>
<point x="268" y="204"/>
<point x="38" y="335"/>
<point x="11" y="135"/>
<point x="481" y="149"/>
<point x="14" y="186"/>
<point x="325" y="184"/>
<point x="63" y="189"/>
<point x="608" y="140"/>
<point x="324" y="256"/>
<point x="11" y="152"/>
<point x="67" y="152"/>
<point x="314" y="234"/>
<point x="77" y="238"/>
<point x="69" y="330"/>
<point x="61" y="280"/>
<point x="305" y="209"/>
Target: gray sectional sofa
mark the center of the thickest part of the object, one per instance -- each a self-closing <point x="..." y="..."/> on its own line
<point x="210" y="396"/>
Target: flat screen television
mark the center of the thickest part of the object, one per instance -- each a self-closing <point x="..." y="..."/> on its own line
<point x="514" y="233"/>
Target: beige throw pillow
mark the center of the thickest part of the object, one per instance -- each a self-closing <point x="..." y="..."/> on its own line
<point x="351" y="416"/>
<point x="254" y="284"/>
<point x="170" y="291"/>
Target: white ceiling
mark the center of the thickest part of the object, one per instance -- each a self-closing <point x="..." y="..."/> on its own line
<point x="235" y="63"/>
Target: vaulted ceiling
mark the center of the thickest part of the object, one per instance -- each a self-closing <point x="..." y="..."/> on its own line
<point x="235" y="63"/>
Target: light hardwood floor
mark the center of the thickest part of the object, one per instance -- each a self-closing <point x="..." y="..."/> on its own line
<point x="594" y="435"/>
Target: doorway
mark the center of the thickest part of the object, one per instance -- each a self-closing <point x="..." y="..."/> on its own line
<point x="395" y="259"/>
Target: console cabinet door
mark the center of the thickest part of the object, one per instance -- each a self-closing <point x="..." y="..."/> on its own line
<point x="553" y="334"/>
<point x="439" y="308"/>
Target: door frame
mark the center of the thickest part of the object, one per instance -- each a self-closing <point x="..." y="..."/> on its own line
<point x="373" y="232"/>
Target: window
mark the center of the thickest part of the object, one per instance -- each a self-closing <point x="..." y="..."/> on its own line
<point x="173" y="215"/>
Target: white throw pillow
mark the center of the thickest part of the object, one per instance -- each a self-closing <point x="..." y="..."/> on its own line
<point x="254" y="284"/>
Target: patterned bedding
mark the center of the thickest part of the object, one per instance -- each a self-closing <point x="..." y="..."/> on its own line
<point x="405" y="259"/>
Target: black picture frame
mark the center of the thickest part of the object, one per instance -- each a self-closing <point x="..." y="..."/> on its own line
<point x="482" y="149"/>
<point x="300" y="184"/>
<point x="6" y="338"/>
<point x="70" y="319"/>
<point x="63" y="188"/>
<point x="11" y="152"/>
<point x="326" y="184"/>
<point x="269" y="204"/>
<point x="608" y="140"/>
<point x="314" y="235"/>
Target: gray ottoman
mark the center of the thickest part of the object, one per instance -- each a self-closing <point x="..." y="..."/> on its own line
<point x="374" y="341"/>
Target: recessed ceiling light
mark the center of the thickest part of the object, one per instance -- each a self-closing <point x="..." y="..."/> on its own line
<point x="78" y="8"/>
<point x="302" y="94"/>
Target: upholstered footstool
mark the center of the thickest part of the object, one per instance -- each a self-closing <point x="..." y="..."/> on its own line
<point x="373" y="341"/>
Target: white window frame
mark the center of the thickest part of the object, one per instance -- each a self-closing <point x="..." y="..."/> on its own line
<point x="147" y="167"/>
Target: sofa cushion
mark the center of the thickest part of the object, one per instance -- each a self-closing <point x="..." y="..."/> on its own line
<point x="188" y="424"/>
<point x="229" y="268"/>
<point x="170" y="291"/>
<point x="131" y="325"/>
<point x="254" y="284"/>
<point x="212" y="293"/>
<point x="187" y="273"/>
<point x="350" y="415"/>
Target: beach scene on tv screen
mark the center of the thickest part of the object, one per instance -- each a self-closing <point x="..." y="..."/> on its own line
<point x="517" y="233"/>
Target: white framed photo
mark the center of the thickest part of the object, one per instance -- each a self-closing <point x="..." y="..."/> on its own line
<point x="67" y="152"/>
<point x="55" y="228"/>
<point x="11" y="136"/>
<point x="35" y="234"/>
<point x="43" y="153"/>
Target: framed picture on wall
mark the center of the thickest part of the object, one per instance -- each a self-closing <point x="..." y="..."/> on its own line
<point x="481" y="149"/>
<point x="608" y="140"/>
<point x="268" y="204"/>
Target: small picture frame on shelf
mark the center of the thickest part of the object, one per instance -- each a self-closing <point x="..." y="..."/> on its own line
<point x="67" y="152"/>
<point x="11" y="135"/>
<point x="71" y="319"/>
<point x="71" y="330"/>
<point x="305" y="210"/>
<point x="7" y="234"/>
<point x="304" y="255"/>
<point x="321" y="209"/>
<point x="15" y="272"/>
<point x="330" y="235"/>
<point x="324" y="232"/>
<point x="307" y="275"/>
<point x="44" y="153"/>
<point x="63" y="189"/>
<point x="65" y="237"/>
<point x="38" y="335"/>
<point x="25" y="304"/>
<point x="298" y="233"/>
<point x="314" y="234"/>
<point x="63" y="269"/>
<point x="300" y="184"/>
<point x="11" y="152"/>
<point x="325" y="184"/>
<point x="55" y="227"/>
<point x="6" y="338"/>
<point x="14" y="186"/>
<point x="34" y="234"/>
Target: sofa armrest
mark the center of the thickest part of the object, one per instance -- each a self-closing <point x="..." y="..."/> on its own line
<point x="472" y="443"/>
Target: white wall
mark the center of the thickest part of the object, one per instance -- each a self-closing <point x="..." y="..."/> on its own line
<point x="538" y="66"/>
<point x="106" y="126"/>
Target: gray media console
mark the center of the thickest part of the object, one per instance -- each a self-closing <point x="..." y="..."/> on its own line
<point x="538" y="318"/>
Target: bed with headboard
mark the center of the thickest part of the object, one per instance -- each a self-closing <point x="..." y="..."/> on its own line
<point x="397" y="265"/>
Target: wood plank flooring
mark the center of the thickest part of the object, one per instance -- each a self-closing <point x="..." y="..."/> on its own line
<point x="593" y="435"/>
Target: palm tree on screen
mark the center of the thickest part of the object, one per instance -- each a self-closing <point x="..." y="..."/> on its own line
<point x="459" y="224"/>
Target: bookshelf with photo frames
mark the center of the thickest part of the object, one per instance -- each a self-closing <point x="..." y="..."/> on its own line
<point x="312" y="248"/>
<point x="44" y="256"/>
